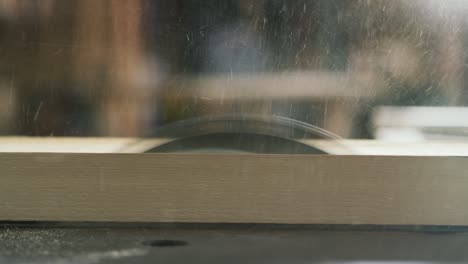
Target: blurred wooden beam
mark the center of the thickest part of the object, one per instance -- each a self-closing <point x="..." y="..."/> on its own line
<point x="301" y="84"/>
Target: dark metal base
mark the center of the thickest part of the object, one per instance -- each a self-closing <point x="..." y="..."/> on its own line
<point x="167" y="243"/>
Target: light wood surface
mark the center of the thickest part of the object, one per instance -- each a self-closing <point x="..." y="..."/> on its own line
<point x="306" y="189"/>
<point x="140" y="145"/>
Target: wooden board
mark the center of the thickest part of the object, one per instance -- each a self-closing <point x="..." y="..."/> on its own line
<point x="140" y="145"/>
<point x="294" y="189"/>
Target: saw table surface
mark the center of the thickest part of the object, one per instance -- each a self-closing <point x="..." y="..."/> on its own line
<point x="245" y="244"/>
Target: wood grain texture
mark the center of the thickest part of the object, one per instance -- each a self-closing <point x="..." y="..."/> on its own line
<point x="306" y="189"/>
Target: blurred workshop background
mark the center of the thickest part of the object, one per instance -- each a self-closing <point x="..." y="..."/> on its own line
<point x="358" y="68"/>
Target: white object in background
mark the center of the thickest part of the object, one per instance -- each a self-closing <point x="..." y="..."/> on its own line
<point x="413" y="123"/>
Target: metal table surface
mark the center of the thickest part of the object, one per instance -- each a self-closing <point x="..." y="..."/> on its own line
<point x="228" y="244"/>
